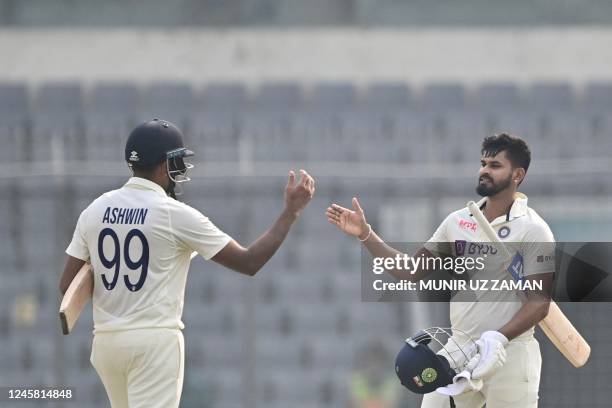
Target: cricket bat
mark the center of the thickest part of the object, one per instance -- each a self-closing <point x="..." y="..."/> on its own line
<point x="555" y="325"/>
<point x="76" y="297"/>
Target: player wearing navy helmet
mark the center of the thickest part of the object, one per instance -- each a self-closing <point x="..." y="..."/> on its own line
<point x="140" y="241"/>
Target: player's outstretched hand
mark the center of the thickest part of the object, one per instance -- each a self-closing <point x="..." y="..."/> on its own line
<point x="298" y="195"/>
<point x="352" y="222"/>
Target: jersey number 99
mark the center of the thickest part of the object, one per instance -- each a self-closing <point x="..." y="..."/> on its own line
<point x="115" y="261"/>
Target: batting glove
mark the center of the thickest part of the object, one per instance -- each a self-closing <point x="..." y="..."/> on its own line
<point x="492" y="350"/>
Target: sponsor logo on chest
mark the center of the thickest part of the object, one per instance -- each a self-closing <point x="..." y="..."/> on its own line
<point x="468" y="225"/>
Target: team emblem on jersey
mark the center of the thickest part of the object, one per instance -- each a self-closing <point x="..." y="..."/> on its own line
<point x="503" y="232"/>
<point x="134" y="156"/>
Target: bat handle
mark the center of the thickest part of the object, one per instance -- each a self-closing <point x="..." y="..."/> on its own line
<point x="483" y="223"/>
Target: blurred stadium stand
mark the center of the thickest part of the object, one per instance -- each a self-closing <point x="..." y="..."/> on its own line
<point x="295" y="12"/>
<point x="289" y="338"/>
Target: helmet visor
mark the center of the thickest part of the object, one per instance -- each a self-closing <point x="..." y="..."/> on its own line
<point x="177" y="167"/>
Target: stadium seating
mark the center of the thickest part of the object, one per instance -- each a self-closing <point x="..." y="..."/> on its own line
<point x="290" y="336"/>
<point x="14" y="124"/>
<point x="173" y="101"/>
<point x="112" y="111"/>
<point x="274" y="13"/>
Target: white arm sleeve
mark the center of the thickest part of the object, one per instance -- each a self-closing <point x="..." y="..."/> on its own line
<point x="78" y="246"/>
<point x="538" y="251"/>
<point x="439" y="243"/>
<point x="195" y="232"/>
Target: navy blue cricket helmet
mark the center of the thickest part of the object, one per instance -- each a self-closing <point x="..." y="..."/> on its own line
<point x="155" y="141"/>
<point x="420" y="369"/>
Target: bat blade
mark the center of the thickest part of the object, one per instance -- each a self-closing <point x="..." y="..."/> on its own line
<point x="555" y="325"/>
<point x="565" y="337"/>
<point x="76" y="297"/>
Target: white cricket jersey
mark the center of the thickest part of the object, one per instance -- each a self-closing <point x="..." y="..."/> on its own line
<point x="140" y="242"/>
<point x="522" y="228"/>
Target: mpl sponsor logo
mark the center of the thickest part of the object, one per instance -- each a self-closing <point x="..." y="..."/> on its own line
<point x="468" y="225"/>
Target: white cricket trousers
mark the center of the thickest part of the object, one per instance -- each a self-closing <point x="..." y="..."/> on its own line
<point x="514" y="385"/>
<point x="140" y="368"/>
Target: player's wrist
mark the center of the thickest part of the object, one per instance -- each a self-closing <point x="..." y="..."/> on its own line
<point x="291" y="213"/>
<point x="365" y="235"/>
<point x="495" y="336"/>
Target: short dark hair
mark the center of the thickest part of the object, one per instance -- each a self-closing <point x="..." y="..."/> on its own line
<point x="516" y="149"/>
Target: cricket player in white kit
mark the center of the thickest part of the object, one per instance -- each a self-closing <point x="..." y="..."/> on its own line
<point x="140" y="240"/>
<point x="509" y="364"/>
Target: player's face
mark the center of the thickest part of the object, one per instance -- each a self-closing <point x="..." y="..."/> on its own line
<point x="495" y="175"/>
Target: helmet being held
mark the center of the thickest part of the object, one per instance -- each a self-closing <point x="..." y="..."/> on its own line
<point x="152" y="142"/>
<point x="421" y="370"/>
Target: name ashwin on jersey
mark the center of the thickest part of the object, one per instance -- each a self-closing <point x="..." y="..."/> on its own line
<point x="114" y="215"/>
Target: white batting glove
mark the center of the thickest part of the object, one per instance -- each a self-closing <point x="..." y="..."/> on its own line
<point x="492" y="350"/>
<point x="473" y="363"/>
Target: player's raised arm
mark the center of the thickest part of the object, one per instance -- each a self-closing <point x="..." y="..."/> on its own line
<point x="353" y="222"/>
<point x="250" y="260"/>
